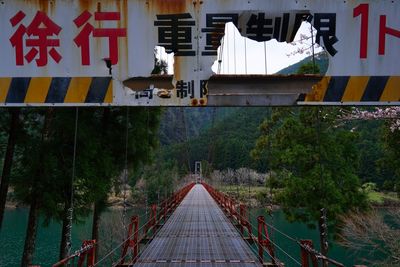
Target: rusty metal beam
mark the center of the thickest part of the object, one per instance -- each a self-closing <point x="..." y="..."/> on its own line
<point x="155" y="81"/>
<point x="258" y="90"/>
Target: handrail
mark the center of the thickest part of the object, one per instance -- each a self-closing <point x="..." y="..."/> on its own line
<point x="230" y="206"/>
<point x="134" y="239"/>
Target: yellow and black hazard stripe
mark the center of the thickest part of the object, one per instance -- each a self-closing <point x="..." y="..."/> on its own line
<point x="356" y="89"/>
<point x="58" y="90"/>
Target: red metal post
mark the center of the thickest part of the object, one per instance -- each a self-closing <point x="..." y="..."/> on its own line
<point x="242" y="214"/>
<point x="132" y="239"/>
<point x="88" y="254"/>
<point x="165" y="210"/>
<point x="234" y="206"/>
<point x="260" y="239"/>
<point x="135" y="242"/>
<point x="153" y="215"/>
<point x="264" y="242"/>
<point x="90" y="261"/>
<point x="305" y="254"/>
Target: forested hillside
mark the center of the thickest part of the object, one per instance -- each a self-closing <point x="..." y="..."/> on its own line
<point x="321" y="60"/>
<point x="226" y="143"/>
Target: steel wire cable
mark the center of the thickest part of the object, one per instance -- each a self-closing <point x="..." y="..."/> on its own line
<point x="277" y="230"/>
<point x="125" y="170"/>
<point x="146" y="251"/>
<point x="262" y="247"/>
<point x="123" y="242"/>
<point x="144" y="254"/>
<point x="264" y="250"/>
<point x="264" y="235"/>
<point x="68" y="235"/>
<point x="245" y="54"/>
<point x="221" y="53"/>
<point x="265" y="57"/>
<point x="275" y="244"/>
<point x="139" y="217"/>
<point x="118" y="246"/>
<point x="227" y="47"/>
<point x="178" y="216"/>
<point x="234" y="49"/>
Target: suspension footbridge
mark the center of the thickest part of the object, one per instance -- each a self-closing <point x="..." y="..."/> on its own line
<point x="198" y="234"/>
<point x="200" y="226"/>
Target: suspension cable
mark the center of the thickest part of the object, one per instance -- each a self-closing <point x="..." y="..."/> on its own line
<point x="125" y="182"/>
<point x="245" y="55"/>
<point x="227" y="47"/>
<point x="186" y="139"/>
<point x="270" y="240"/>
<point x="119" y="246"/>
<point x="221" y="53"/>
<point x="234" y="49"/>
<point x="71" y="208"/>
<point x="313" y="49"/>
<point x="265" y="57"/>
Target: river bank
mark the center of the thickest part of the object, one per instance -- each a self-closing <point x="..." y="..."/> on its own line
<point x="260" y="197"/>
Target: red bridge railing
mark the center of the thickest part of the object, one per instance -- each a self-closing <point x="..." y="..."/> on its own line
<point x="238" y="213"/>
<point x="135" y="237"/>
<point x="240" y="217"/>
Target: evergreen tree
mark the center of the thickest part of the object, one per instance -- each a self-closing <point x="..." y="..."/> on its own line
<point x="316" y="162"/>
<point x="391" y="159"/>
<point x="107" y="158"/>
<point x="32" y="181"/>
<point x="13" y="130"/>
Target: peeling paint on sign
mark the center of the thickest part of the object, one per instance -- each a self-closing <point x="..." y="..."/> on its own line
<point x="115" y="39"/>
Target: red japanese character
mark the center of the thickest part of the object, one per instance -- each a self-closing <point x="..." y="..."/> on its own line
<point x="43" y="28"/>
<point x="82" y="39"/>
<point x="383" y="31"/>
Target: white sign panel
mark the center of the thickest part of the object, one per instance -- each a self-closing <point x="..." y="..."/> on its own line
<point x="81" y="52"/>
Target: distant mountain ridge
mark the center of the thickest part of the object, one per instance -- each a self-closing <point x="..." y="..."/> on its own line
<point x="233" y="131"/>
<point x="321" y="60"/>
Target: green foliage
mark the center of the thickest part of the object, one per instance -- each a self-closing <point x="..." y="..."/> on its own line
<point x="273" y="182"/>
<point x="388" y="185"/>
<point x="160" y="66"/>
<point x="43" y="169"/>
<point x="4" y="125"/>
<point x="309" y="68"/>
<point x="391" y="160"/>
<point x="207" y="169"/>
<point x="225" y="145"/>
<point x="181" y="124"/>
<point x="315" y="161"/>
<point x="369" y="187"/>
<point x="321" y="59"/>
<point x="161" y="179"/>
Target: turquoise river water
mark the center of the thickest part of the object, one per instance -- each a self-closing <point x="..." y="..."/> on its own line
<point x="12" y="238"/>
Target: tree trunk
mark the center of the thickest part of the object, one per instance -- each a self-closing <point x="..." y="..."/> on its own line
<point x="5" y="177"/>
<point x="323" y="235"/>
<point x="29" y="247"/>
<point x="64" y="231"/>
<point x="96" y="226"/>
<point x="30" y="239"/>
<point x="99" y="203"/>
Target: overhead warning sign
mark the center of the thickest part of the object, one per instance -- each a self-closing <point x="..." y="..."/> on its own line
<point x="85" y="52"/>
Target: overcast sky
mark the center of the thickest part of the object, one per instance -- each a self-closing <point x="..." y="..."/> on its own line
<point x="278" y="55"/>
